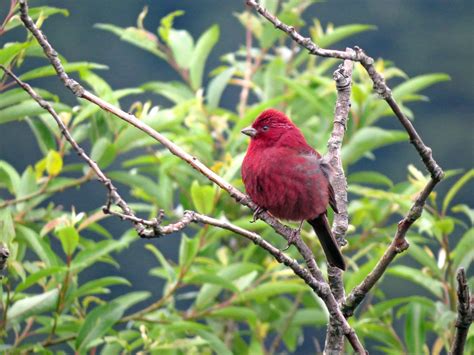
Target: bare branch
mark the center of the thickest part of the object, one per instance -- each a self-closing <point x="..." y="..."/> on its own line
<point x="465" y="313"/>
<point x="343" y="78"/>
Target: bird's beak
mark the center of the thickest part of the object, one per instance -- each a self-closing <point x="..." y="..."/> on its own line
<point x="249" y="131"/>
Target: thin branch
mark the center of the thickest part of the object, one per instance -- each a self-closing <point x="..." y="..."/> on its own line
<point x="343" y="78"/>
<point x="321" y="288"/>
<point x="465" y="313"/>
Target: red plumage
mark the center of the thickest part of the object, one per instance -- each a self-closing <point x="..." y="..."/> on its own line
<point x="287" y="177"/>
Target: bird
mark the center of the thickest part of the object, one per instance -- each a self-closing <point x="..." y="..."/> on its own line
<point x="286" y="177"/>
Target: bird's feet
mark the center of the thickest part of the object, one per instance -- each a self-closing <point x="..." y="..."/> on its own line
<point x="257" y="213"/>
<point x="293" y="237"/>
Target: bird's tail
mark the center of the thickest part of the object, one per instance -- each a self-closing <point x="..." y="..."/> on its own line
<point x="328" y="242"/>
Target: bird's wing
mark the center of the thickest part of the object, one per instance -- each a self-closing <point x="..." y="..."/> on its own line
<point x="329" y="173"/>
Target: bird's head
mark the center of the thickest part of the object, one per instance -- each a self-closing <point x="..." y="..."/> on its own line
<point x="273" y="127"/>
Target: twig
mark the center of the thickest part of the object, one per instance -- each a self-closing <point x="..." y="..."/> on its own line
<point x="465" y="313"/>
<point x="343" y="78"/>
<point x="321" y="288"/>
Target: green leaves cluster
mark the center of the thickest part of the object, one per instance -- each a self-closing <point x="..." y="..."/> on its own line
<point x="220" y="294"/>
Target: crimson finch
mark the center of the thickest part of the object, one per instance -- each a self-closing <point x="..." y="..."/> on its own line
<point x="285" y="176"/>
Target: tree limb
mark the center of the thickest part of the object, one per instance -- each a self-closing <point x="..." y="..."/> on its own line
<point x="465" y="313"/>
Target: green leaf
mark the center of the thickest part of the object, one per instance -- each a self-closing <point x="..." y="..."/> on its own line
<point x="415" y="328"/>
<point x="245" y="314"/>
<point x="99" y="250"/>
<point x="15" y="96"/>
<point x="199" y="55"/>
<point x="7" y="226"/>
<point x="98" y="285"/>
<point x="138" y="37"/>
<point x="69" y="238"/>
<point x="455" y="189"/>
<point x="166" y="24"/>
<point x="175" y="91"/>
<point x="33" y="305"/>
<point x="103" y="152"/>
<point x="215" y="343"/>
<point x="418" y="277"/>
<point x="310" y="317"/>
<point x="339" y="33"/>
<point x="34" y="278"/>
<point x="367" y="139"/>
<point x="369" y="178"/>
<point x="203" y="197"/>
<point x="463" y="253"/>
<point x="54" y="163"/>
<point x="48" y="70"/>
<point x="418" y="83"/>
<point x="10" y="51"/>
<point x="208" y="278"/>
<point x="264" y="291"/>
<point x="35" y="13"/>
<point x="426" y="260"/>
<point x="28" y="108"/>
<point x="216" y="87"/>
<point x="9" y="177"/>
<point x="182" y="46"/>
<point x="37" y="245"/>
<point x="164" y="263"/>
<point x="188" y="249"/>
<point x="45" y="138"/>
<point x="272" y="85"/>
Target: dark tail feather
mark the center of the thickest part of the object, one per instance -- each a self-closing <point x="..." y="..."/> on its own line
<point x="328" y="242"/>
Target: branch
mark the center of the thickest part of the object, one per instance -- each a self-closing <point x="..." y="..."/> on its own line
<point x="342" y="76"/>
<point x="465" y="313"/>
<point x="399" y="243"/>
<point x="313" y="276"/>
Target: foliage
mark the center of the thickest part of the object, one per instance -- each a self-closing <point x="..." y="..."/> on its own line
<point x="238" y="299"/>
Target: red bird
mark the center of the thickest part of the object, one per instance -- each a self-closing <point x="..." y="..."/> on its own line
<point x="285" y="176"/>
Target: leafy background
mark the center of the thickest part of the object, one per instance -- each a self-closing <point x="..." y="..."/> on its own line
<point x="419" y="37"/>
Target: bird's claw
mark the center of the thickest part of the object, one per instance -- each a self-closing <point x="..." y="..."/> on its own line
<point x="256" y="214"/>
<point x="292" y="239"/>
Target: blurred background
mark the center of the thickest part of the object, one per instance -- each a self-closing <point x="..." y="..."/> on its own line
<point x="419" y="36"/>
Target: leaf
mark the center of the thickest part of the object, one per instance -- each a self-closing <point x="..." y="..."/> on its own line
<point x="10" y="51"/>
<point x="199" y="55"/>
<point x="369" y="177"/>
<point x="455" y="189"/>
<point x="310" y="317"/>
<point x="264" y="291"/>
<point x="101" y="319"/>
<point x="69" y="238"/>
<point x="418" y="83"/>
<point x="45" y="138"/>
<point x="33" y="305"/>
<point x="35" y="13"/>
<point x="48" y="70"/>
<point x="7" y="226"/>
<point x="166" y="24"/>
<point x="339" y="33"/>
<point x="182" y="46"/>
<point x="245" y="314"/>
<point x="103" y="152"/>
<point x="9" y="177"/>
<point x="98" y="285"/>
<point x="216" y="87"/>
<point x="29" y="108"/>
<point x="37" y="245"/>
<point x="138" y="37"/>
<point x="215" y="343"/>
<point x="202" y="197"/>
<point x="35" y="277"/>
<point x="54" y="163"/>
<point x="415" y="328"/>
<point x="208" y="278"/>
<point x="425" y="259"/>
<point x="188" y="249"/>
<point x="162" y="260"/>
<point x="175" y="91"/>
<point x="417" y="277"/>
<point x="463" y="253"/>
<point x="367" y="139"/>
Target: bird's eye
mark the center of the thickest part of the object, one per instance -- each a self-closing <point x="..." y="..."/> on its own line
<point x="265" y="128"/>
